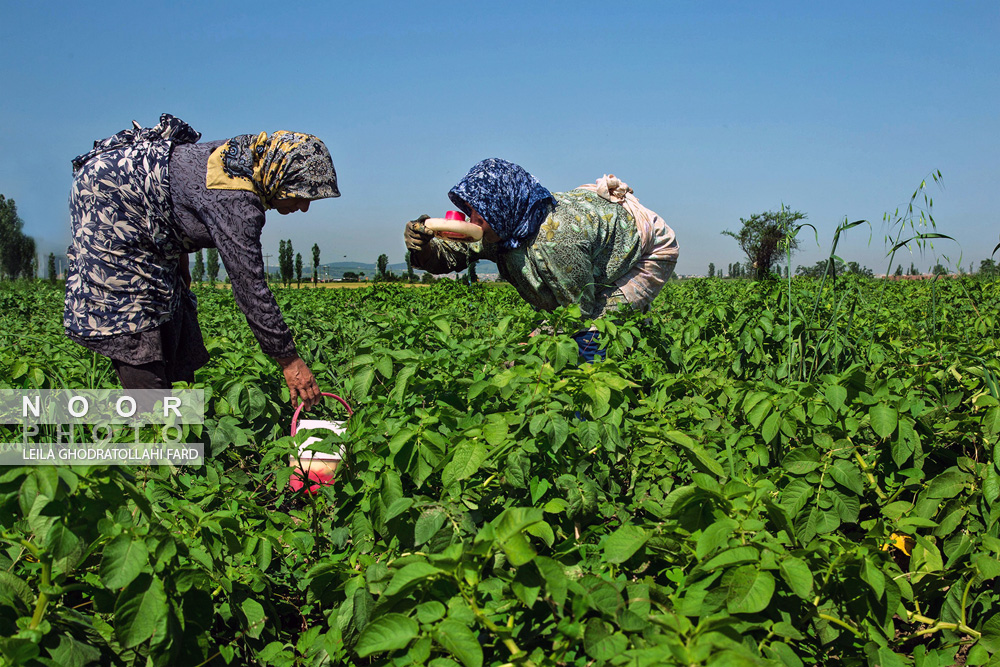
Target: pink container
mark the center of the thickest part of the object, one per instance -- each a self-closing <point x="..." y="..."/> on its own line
<point x="318" y="466"/>
<point x="454" y="227"/>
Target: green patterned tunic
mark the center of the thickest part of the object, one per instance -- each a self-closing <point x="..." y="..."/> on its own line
<point x="584" y="246"/>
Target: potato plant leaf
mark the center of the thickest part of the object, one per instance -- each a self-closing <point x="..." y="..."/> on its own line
<point x="748" y="589"/>
<point x="458" y="640"/>
<point x="386" y="633"/>
<point x="883" y="420"/>
<point x="141" y="611"/>
<point x="624" y="543"/>
<point x="123" y="559"/>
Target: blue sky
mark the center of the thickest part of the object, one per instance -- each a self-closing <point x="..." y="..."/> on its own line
<point x="711" y="111"/>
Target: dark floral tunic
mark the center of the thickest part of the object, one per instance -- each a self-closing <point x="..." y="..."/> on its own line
<point x="139" y="200"/>
<point x="123" y="262"/>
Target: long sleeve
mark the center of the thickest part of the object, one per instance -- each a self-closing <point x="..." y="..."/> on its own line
<point x="437" y="259"/>
<point x="441" y="256"/>
<point x="230" y="220"/>
<point x="236" y="233"/>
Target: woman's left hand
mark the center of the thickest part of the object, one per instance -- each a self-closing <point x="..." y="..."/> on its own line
<point x="416" y="236"/>
<point x="301" y="382"/>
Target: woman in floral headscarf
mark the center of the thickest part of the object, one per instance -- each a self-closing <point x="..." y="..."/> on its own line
<point x="594" y="246"/>
<point x="145" y="198"/>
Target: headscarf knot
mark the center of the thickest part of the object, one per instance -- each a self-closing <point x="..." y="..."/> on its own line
<point x="611" y="188"/>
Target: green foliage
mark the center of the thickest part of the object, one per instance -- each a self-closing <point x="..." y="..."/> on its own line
<point x="17" y="250"/>
<point x="737" y="270"/>
<point x="213" y="264"/>
<point x="315" y="263"/>
<point x="382" y="272"/>
<point x="286" y="261"/>
<point x="410" y="276"/>
<point x="835" y="267"/>
<point x="915" y="221"/>
<point x="710" y="495"/>
<point x="198" y="272"/>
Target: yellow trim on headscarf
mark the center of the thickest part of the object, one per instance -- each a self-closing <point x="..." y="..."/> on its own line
<point x="218" y="179"/>
<point x="269" y="161"/>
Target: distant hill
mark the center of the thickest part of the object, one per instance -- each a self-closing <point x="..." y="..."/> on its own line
<point x="336" y="270"/>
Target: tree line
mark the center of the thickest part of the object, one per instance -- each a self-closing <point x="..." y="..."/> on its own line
<point x="765" y="238"/>
<point x="290" y="266"/>
<point x="835" y="266"/>
<point x="17" y="249"/>
<point x="769" y="238"/>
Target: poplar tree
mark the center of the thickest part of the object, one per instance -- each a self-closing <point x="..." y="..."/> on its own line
<point x="198" y="272"/>
<point x="17" y="250"/>
<point x="382" y="267"/>
<point x="213" y="264"/>
<point x="286" y="261"/>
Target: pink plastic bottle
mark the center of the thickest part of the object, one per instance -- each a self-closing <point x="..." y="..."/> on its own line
<point x="454" y="227"/>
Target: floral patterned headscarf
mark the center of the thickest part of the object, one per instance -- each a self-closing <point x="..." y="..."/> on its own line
<point x="283" y="165"/>
<point x="510" y="199"/>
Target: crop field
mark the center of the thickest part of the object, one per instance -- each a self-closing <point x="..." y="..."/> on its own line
<point x="761" y="473"/>
<point x="333" y="285"/>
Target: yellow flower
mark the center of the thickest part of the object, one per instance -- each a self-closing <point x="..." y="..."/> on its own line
<point x="902" y="542"/>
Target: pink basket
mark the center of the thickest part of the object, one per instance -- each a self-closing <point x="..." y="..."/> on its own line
<point x="319" y="466"/>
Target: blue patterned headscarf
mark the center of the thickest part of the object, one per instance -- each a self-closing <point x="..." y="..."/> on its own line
<point x="510" y="199"/>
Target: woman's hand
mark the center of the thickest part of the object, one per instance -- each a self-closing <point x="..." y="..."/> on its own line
<point x="417" y="238"/>
<point x="301" y="382"/>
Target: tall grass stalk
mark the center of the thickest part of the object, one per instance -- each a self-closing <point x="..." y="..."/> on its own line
<point x="810" y="324"/>
<point x="921" y="239"/>
<point x="787" y="241"/>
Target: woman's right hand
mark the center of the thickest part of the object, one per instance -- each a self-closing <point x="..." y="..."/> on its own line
<point x="301" y="382"/>
<point x="416" y="236"/>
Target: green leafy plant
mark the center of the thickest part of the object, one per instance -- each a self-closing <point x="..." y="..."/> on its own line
<point x="759" y="474"/>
